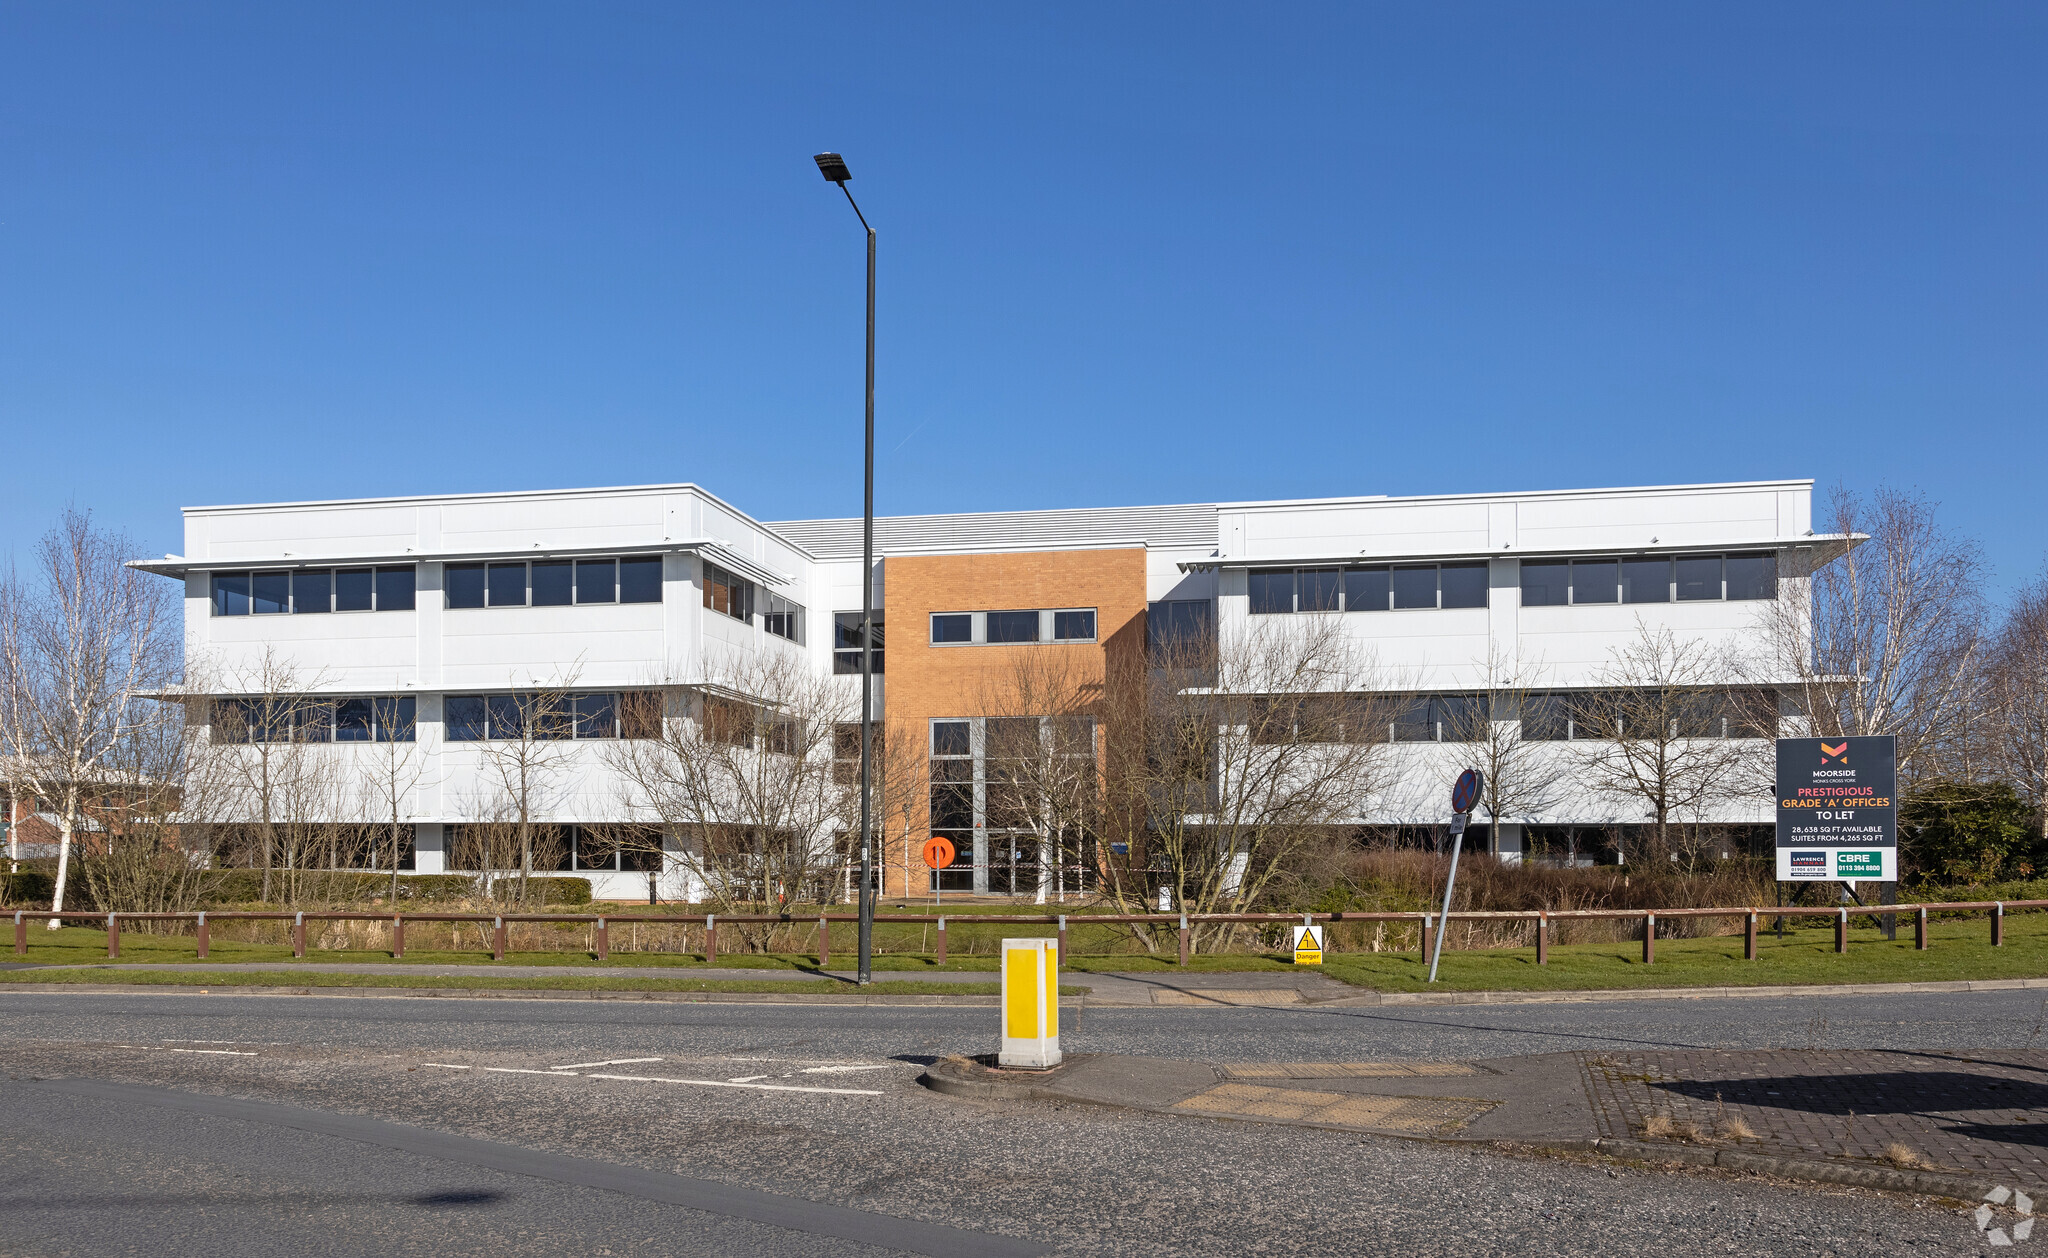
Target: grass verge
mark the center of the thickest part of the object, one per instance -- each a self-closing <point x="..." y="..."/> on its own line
<point x="488" y="982"/>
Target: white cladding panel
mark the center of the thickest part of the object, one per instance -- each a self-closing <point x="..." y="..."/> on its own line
<point x="1647" y="519"/>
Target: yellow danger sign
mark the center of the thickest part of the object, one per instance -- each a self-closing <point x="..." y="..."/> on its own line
<point x="1308" y="945"/>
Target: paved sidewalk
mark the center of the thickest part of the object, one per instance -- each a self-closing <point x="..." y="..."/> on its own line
<point x="1922" y="1121"/>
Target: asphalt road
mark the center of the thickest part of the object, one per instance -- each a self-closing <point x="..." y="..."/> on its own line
<point x="274" y="1125"/>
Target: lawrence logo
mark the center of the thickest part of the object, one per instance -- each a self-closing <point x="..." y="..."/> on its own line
<point x="1809" y="860"/>
<point x="1837" y="752"/>
<point x="1853" y="864"/>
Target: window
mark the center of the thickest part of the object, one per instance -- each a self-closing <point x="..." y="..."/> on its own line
<point x="597" y="580"/>
<point x="1596" y="581"/>
<point x="846" y="643"/>
<point x="952" y="738"/>
<point x="1181" y="631"/>
<point x="1318" y="589"/>
<point x="270" y="593"/>
<point x="1753" y="576"/>
<point x="640" y="579"/>
<point x="1546" y="583"/>
<point x="309" y="591"/>
<point x="1414" y="586"/>
<point x="230" y="593"/>
<point x="783" y="618"/>
<point x="505" y="585"/>
<point x="1441" y="719"/>
<point x="1272" y="592"/>
<point x="465" y="584"/>
<point x="297" y="718"/>
<point x="846" y="750"/>
<point x="726" y="593"/>
<point x="554" y="583"/>
<point x="1646" y="580"/>
<point x="1368" y="589"/>
<point x="502" y="718"/>
<point x="640" y="714"/>
<point x="1699" y="577"/>
<point x="1013" y="626"/>
<point x="1061" y="624"/>
<point x="355" y="589"/>
<point x="1545" y="718"/>
<point x="313" y="590"/>
<point x="1076" y="626"/>
<point x="1463" y="584"/>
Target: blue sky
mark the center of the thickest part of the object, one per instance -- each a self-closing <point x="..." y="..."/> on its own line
<point x="1136" y="253"/>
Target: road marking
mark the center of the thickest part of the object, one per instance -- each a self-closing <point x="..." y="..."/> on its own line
<point x="750" y="1078"/>
<point x="514" y="1070"/>
<point x="616" y="1061"/>
<point x="442" y="1065"/>
<point x="215" y="1052"/>
<point x="840" y="1070"/>
<point x="722" y="1083"/>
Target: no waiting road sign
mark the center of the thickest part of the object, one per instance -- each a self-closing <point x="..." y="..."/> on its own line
<point x="1838" y="809"/>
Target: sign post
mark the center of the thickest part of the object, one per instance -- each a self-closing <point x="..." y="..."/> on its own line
<point x="938" y="853"/>
<point x="1838" y="809"/>
<point x="1463" y="796"/>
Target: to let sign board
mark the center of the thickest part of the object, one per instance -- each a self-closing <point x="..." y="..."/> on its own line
<point x="1838" y="809"/>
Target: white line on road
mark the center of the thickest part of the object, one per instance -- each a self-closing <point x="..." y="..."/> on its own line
<point x="442" y="1065"/>
<point x="840" y="1070"/>
<point x="720" y="1083"/>
<point x="215" y="1052"/>
<point x="514" y="1070"/>
<point x="616" y="1061"/>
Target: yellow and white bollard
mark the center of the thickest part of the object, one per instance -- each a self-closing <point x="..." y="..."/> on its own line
<point x="1031" y="1004"/>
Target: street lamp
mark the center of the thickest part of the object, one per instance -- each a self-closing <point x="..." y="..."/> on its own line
<point x="833" y="167"/>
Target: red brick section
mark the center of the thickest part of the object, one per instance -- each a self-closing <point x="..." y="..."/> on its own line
<point x="926" y="683"/>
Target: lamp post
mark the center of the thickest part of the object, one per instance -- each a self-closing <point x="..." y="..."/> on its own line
<point x="833" y="167"/>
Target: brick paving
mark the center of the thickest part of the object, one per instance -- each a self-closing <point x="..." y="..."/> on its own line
<point x="1984" y="1114"/>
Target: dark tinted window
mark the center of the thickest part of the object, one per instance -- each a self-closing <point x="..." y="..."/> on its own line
<point x="1073" y="626"/>
<point x="1317" y="589"/>
<point x="1459" y="718"/>
<point x="1749" y="576"/>
<point x="1013" y="626"/>
<point x="1646" y="581"/>
<point x="1596" y="581"/>
<point x="354" y="590"/>
<point x="952" y="627"/>
<point x="640" y="580"/>
<point x="313" y="722"/>
<point x="1415" y="586"/>
<point x="553" y="583"/>
<point x="396" y="721"/>
<point x="507" y="585"/>
<point x="1417" y="724"/>
<point x="270" y="592"/>
<point x="1180" y="630"/>
<point x="504" y="715"/>
<point x="597" y="581"/>
<point x="230" y="593"/>
<point x="313" y="590"/>
<point x="1272" y="592"/>
<point x="395" y="588"/>
<point x="353" y="721"/>
<point x="596" y="716"/>
<point x="1545" y="718"/>
<point x="465" y="585"/>
<point x="951" y="738"/>
<point x="465" y="718"/>
<point x="1546" y="583"/>
<point x="846" y="643"/>
<point x="1699" y="577"/>
<point x="1464" y="584"/>
<point x="1367" y="590"/>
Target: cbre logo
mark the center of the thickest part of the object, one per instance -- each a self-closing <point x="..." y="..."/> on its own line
<point x="1838" y="752"/>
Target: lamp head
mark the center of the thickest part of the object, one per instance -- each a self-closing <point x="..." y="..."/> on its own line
<point x="833" y="167"/>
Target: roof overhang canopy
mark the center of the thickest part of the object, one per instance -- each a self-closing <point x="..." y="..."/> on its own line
<point x="707" y="547"/>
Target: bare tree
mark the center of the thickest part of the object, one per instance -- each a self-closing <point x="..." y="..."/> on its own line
<point x="1501" y="734"/>
<point x="147" y="856"/>
<point x="82" y="636"/>
<point x="741" y="768"/>
<point x="283" y="797"/>
<point x="1881" y="636"/>
<point x="1218" y="792"/>
<point x="530" y="738"/>
<point x="389" y="770"/>
<point x="2016" y="703"/>
<point x="1668" y="731"/>
<point x="1042" y="783"/>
